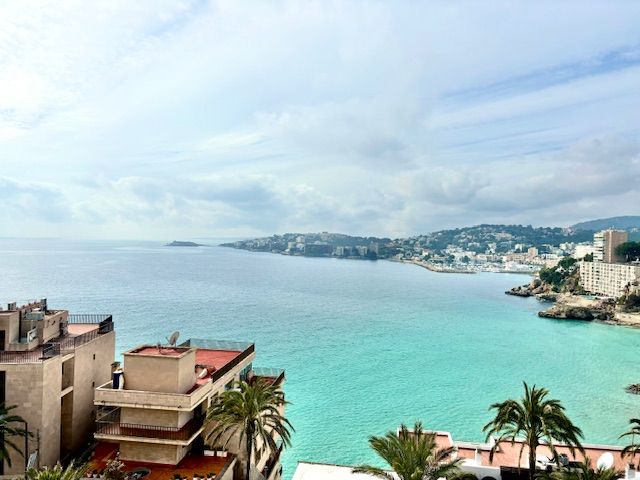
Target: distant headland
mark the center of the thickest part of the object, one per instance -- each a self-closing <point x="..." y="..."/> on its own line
<point x="181" y="243"/>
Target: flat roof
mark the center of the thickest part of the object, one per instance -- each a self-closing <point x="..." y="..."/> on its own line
<point x="508" y="453"/>
<point x="324" y="471"/>
<point x="75" y="329"/>
<point x="214" y="358"/>
<point x="163" y="351"/>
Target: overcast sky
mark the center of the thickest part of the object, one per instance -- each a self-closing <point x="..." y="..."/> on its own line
<point x="167" y="120"/>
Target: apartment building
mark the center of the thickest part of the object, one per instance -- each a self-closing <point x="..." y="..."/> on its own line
<point x="609" y="279"/>
<point x="50" y="363"/>
<point x="605" y="243"/>
<point x="153" y="410"/>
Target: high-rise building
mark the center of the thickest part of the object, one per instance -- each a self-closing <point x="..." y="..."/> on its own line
<point x="50" y="363"/>
<point x="610" y="279"/>
<point x="605" y="243"/>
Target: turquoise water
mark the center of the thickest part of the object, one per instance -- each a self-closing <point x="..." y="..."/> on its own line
<point x="366" y="345"/>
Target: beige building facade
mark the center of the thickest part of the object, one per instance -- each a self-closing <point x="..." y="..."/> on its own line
<point x="154" y="408"/>
<point x="609" y="279"/>
<point x="50" y="363"/>
<point x="605" y="243"/>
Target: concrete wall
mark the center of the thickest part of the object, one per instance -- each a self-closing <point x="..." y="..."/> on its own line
<point x="9" y="323"/>
<point x="50" y="327"/>
<point x="36" y="390"/>
<point x="158" y="373"/>
<point x="92" y="367"/>
<point x="151" y="452"/>
<point x="162" y="418"/>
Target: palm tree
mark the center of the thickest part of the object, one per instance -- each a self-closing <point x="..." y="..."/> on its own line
<point x="253" y="411"/>
<point x="633" y="448"/>
<point x="538" y="419"/>
<point x="584" y="472"/>
<point x="72" y="472"/>
<point x="8" y="428"/>
<point x="412" y="456"/>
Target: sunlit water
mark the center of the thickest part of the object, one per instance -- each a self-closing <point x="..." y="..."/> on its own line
<point x="366" y="345"/>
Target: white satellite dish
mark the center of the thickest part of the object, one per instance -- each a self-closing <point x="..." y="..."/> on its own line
<point x="605" y="461"/>
<point x="203" y="373"/>
<point x="173" y="338"/>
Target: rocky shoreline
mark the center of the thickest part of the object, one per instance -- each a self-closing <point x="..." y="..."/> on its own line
<point x="569" y="306"/>
<point x="566" y="305"/>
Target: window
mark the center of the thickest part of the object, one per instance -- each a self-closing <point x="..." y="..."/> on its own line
<point x="94" y="356"/>
<point x="3" y="378"/>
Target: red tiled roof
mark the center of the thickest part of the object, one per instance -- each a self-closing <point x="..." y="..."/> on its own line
<point x="508" y="453"/>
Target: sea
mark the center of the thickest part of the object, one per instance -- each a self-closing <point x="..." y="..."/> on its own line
<point x="366" y="345"/>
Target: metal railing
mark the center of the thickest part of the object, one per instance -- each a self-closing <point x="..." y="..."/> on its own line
<point x="58" y="345"/>
<point x="276" y="373"/>
<point x="157" y="432"/>
<point x="222" y="371"/>
<point x="89" y="317"/>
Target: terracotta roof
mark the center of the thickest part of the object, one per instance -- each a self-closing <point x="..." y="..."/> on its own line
<point x="508" y="453"/>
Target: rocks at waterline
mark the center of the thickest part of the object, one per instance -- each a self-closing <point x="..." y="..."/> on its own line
<point x="536" y="287"/>
<point x="573" y="312"/>
<point x="633" y="388"/>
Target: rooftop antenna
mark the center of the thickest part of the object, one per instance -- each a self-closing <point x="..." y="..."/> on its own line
<point x="173" y="339"/>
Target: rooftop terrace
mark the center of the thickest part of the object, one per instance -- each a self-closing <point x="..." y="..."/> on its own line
<point x="80" y="329"/>
<point x="508" y="454"/>
<point x="189" y="467"/>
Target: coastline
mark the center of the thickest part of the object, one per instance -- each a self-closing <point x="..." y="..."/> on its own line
<point x="427" y="265"/>
<point x="432" y="267"/>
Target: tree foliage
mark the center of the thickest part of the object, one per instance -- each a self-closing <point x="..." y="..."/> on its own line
<point x="71" y="472"/>
<point x="11" y="426"/>
<point x="412" y="456"/>
<point x="583" y="472"/>
<point x="556" y="276"/>
<point x="252" y="411"/>
<point x="630" y="251"/>
<point x="536" y="418"/>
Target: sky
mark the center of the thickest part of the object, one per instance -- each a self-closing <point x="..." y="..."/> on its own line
<point x="195" y="119"/>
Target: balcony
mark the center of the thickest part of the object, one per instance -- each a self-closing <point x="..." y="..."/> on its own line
<point x="96" y="325"/>
<point x="110" y="428"/>
<point x="106" y="395"/>
<point x="273" y="376"/>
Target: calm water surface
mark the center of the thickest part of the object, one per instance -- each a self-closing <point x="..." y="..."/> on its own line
<point x="366" y="345"/>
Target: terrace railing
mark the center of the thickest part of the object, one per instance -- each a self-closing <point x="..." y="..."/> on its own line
<point x="276" y="373"/>
<point x="156" y="432"/>
<point x="61" y="344"/>
<point x="89" y="317"/>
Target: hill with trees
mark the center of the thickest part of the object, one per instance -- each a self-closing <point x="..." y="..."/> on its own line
<point x="629" y="222"/>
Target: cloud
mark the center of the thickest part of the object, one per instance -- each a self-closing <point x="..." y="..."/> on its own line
<point x="212" y="117"/>
<point x="21" y="200"/>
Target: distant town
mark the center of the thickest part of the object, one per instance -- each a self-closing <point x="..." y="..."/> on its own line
<point x="481" y="248"/>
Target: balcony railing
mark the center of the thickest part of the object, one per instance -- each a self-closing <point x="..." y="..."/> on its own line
<point x="59" y="345"/>
<point x="106" y="395"/>
<point x="40" y="354"/>
<point x="89" y="317"/>
<point x="277" y="374"/>
<point x="119" y="429"/>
